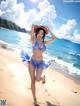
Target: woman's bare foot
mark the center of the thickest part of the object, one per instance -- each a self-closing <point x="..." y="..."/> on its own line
<point x="43" y="80"/>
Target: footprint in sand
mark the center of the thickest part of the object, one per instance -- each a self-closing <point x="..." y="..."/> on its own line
<point x="46" y="90"/>
<point x="1" y="69"/>
<point x="29" y="88"/>
<point x="74" y="91"/>
<point x="53" y="80"/>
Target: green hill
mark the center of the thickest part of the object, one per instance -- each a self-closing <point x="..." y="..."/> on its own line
<point x="4" y="23"/>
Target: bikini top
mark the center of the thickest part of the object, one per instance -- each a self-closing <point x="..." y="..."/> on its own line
<point x="38" y="45"/>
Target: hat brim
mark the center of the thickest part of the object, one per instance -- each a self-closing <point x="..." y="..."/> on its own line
<point x="43" y="27"/>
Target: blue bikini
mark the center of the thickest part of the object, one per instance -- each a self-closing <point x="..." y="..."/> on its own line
<point x="36" y="63"/>
<point x="40" y="46"/>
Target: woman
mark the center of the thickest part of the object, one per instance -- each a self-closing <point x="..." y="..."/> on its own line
<point x="36" y="63"/>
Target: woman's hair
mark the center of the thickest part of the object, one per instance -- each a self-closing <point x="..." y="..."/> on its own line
<point x="37" y="31"/>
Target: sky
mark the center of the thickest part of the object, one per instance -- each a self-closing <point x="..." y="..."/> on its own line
<point x="63" y="18"/>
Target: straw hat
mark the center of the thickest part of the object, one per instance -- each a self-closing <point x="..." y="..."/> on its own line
<point x="43" y="27"/>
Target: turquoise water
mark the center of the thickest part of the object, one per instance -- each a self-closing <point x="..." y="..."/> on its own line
<point x="65" y="54"/>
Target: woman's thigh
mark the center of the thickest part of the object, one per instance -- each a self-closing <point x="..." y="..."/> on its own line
<point x="39" y="73"/>
<point x="31" y="71"/>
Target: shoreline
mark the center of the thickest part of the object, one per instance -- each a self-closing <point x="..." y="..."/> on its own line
<point x="59" y="90"/>
<point x="68" y="75"/>
<point x="65" y="72"/>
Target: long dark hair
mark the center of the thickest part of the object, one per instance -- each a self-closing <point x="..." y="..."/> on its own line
<point x="37" y="31"/>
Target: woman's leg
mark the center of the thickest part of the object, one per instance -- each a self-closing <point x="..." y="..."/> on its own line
<point x="39" y="72"/>
<point x="32" y="76"/>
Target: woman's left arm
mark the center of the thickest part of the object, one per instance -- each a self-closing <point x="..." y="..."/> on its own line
<point x="53" y="38"/>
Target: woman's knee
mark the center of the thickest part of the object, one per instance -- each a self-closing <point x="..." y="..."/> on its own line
<point x="38" y="79"/>
<point x="33" y="82"/>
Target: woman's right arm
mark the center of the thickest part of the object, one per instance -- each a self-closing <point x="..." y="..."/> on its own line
<point x="32" y="33"/>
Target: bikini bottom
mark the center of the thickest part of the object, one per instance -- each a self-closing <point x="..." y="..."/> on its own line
<point x="26" y="58"/>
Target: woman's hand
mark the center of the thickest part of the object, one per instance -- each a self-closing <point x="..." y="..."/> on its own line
<point x="52" y="35"/>
<point x="32" y="28"/>
<point x="32" y="33"/>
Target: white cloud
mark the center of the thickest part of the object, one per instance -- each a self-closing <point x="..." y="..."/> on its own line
<point x="66" y="29"/>
<point x="75" y="38"/>
<point x="48" y="10"/>
<point x="11" y="10"/>
<point x="1" y="13"/>
<point x="15" y="12"/>
<point x="45" y="14"/>
<point x="3" y="5"/>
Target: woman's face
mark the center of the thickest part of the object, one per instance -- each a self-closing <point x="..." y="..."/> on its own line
<point x="40" y="34"/>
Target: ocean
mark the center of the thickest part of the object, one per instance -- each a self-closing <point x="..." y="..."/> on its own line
<point x="64" y="55"/>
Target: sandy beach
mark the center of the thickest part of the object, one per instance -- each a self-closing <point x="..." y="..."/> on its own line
<point x="59" y="90"/>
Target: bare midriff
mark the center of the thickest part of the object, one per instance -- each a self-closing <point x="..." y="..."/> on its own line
<point x="37" y="55"/>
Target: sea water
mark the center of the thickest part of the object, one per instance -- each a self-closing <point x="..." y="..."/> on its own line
<point x="64" y="55"/>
